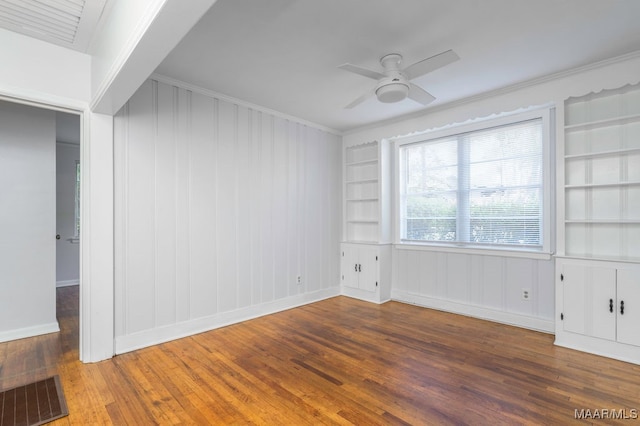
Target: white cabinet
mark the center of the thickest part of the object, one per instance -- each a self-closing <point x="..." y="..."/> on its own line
<point x="366" y="271"/>
<point x="366" y="250"/>
<point x="628" y="307"/>
<point x="598" y="274"/>
<point x="589" y="305"/>
<point x="599" y="307"/>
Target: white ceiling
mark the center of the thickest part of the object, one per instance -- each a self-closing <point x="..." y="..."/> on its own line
<point x="67" y="23"/>
<point x="284" y="54"/>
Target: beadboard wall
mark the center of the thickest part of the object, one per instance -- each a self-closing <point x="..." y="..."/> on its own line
<point x="219" y="207"/>
<point x="477" y="285"/>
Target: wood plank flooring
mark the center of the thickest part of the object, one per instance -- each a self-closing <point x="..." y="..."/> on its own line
<point x="339" y="361"/>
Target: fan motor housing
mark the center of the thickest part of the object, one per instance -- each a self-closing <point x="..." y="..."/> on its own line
<point x="392" y="90"/>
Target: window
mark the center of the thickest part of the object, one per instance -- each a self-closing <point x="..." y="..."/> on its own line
<point x="484" y="187"/>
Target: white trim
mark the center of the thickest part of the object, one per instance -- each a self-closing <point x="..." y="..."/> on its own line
<point x="367" y="296"/>
<point x="39" y="100"/>
<point x="600" y="347"/>
<point x="196" y="89"/>
<point x="537" y="324"/>
<point x="493" y="251"/>
<point x="67" y="283"/>
<point x="127" y="50"/>
<point x="159" y="335"/>
<point x="23" y="333"/>
<point x="541" y="112"/>
<point x="476" y="124"/>
<point x="56" y="103"/>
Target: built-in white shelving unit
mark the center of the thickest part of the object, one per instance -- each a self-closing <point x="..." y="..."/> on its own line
<point x="365" y="252"/>
<point x="602" y="175"/>
<point x="598" y="269"/>
<point x="366" y="189"/>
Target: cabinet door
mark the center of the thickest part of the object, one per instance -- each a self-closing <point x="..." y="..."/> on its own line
<point x="574" y="299"/>
<point x="368" y="261"/>
<point x="629" y="298"/>
<point x="349" y="266"/>
<point x="587" y="292"/>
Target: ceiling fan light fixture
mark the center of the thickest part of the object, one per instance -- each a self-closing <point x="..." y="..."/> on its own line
<point x="392" y="92"/>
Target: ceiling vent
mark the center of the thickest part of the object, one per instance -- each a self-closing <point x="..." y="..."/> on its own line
<point x="68" y="23"/>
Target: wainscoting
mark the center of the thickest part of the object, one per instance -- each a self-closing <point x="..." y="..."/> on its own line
<point x="489" y="287"/>
<point x="219" y="208"/>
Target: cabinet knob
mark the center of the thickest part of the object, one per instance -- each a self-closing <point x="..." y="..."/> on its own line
<point x="622" y="307"/>
<point x="356" y="269"/>
<point x="610" y="305"/>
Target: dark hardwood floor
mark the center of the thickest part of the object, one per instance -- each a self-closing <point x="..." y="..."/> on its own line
<point x="339" y="361"/>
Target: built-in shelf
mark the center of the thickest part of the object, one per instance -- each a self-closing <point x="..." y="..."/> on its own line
<point x="614" y="152"/>
<point x="602" y="174"/>
<point x="613" y="121"/>
<point x="604" y="221"/>
<point x="362" y="199"/>
<point x="362" y="221"/>
<point x="362" y="163"/>
<point x="602" y="185"/>
<point x="365" y="192"/>
<point x="355" y="182"/>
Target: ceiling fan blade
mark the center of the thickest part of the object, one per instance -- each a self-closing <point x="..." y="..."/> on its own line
<point x="360" y="100"/>
<point x="420" y="95"/>
<point x="362" y="71"/>
<point x="431" y="64"/>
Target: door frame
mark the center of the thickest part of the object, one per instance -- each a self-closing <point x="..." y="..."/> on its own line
<point x="96" y="304"/>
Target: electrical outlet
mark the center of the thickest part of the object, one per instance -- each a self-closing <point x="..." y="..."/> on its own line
<point x="526" y="294"/>
<point x="299" y="280"/>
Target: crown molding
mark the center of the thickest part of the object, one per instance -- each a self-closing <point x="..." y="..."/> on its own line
<point x="217" y="95"/>
<point x="500" y="91"/>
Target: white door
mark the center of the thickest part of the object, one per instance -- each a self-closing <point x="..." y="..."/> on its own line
<point x="628" y="306"/>
<point x="602" y="300"/>
<point x="349" y="266"/>
<point x="574" y="298"/>
<point x="368" y="268"/>
<point x="587" y="293"/>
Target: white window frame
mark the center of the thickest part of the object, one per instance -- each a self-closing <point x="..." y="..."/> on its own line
<point x="546" y="115"/>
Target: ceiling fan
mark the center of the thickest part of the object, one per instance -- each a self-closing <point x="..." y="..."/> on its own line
<point x="394" y="84"/>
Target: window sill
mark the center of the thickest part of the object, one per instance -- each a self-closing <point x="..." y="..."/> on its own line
<point x="506" y="252"/>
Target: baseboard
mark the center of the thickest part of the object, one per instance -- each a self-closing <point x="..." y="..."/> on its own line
<point x="23" y="333"/>
<point x="597" y="346"/>
<point x="67" y="283"/>
<point x="367" y="296"/>
<point x="531" y="323"/>
<point x="164" y="334"/>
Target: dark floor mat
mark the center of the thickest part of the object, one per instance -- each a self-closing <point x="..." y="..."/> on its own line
<point x="33" y="404"/>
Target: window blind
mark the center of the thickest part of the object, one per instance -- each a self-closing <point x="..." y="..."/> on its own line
<point x="481" y="187"/>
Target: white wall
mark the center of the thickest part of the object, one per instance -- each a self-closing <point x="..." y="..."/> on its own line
<point x="67" y="252"/>
<point x="219" y="206"/>
<point x="27" y="221"/>
<point x="37" y="70"/>
<point x="490" y="286"/>
<point x="482" y="286"/>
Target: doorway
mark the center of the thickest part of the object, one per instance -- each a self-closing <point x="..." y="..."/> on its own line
<point x="28" y="217"/>
<point x="67" y="199"/>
